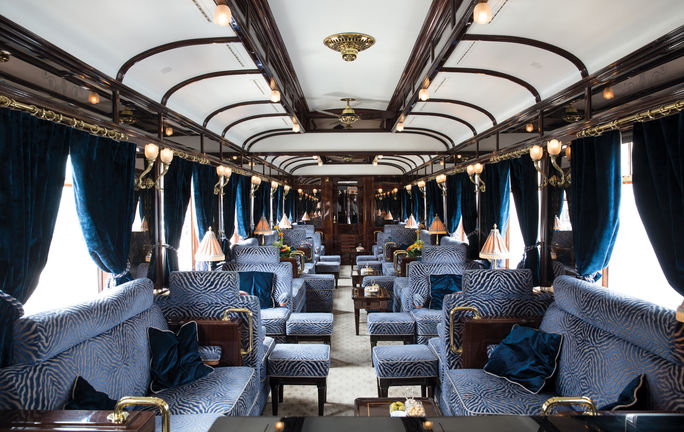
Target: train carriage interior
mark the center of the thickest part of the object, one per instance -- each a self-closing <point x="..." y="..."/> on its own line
<point x="303" y="215"/>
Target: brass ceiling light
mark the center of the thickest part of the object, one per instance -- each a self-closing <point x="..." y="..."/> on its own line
<point x="529" y="127"/>
<point x="126" y="116"/>
<point x="571" y="115"/>
<point x="4" y="56"/>
<point x="608" y="93"/>
<point x="349" y="44"/>
<point x="93" y="98"/>
<point x="348" y="115"/>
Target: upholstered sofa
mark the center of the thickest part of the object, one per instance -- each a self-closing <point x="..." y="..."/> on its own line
<point x="608" y="340"/>
<point x="105" y="341"/>
<point x="298" y="237"/>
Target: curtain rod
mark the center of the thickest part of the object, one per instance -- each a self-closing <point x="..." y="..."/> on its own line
<point x="651" y="114"/>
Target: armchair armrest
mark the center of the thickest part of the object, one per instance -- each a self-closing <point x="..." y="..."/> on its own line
<point x="301" y="258"/>
<point x="397" y="254"/>
<point x="452" y="314"/>
<point x="577" y="400"/>
<point x="224" y="333"/>
<point x="250" y="320"/>
<point x="119" y="416"/>
<point x="387" y="250"/>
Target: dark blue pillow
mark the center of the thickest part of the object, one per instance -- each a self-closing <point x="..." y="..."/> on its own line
<point x="631" y="395"/>
<point x="527" y="357"/>
<point x="259" y="284"/>
<point x="441" y="285"/>
<point x="85" y="397"/>
<point x="175" y="357"/>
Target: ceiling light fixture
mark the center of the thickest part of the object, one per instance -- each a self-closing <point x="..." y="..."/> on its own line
<point x="608" y="93"/>
<point x="571" y="115"/>
<point x="400" y="126"/>
<point x="348" y="115"/>
<point x="529" y="127"/>
<point x="222" y="15"/>
<point x="275" y="96"/>
<point x="482" y="14"/>
<point x="295" y="125"/>
<point x="424" y="94"/>
<point x="168" y="131"/>
<point x="93" y="98"/>
<point x="349" y="44"/>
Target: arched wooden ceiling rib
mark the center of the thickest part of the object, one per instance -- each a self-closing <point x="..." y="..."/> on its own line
<point x="446" y="116"/>
<point x="410" y="164"/>
<point x="256" y="135"/>
<point x="235" y="105"/>
<point x="443" y="135"/>
<point x="399" y="167"/>
<point x="465" y="104"/>
<point x="294" y="160"/>
<point x="169" y="46"/>
<point x="209" y="75"/>
<point x="284" y="132"/>
<point x="497" y="74"/>
<point x="252" y="117"/>
<point x="444" y="143"/>
<point x="404" y="158"/>
<point x="531" y="42"/>
<point x="286" y="160"/>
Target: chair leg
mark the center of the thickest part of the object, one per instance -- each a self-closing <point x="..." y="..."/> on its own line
<point x="321" y="398"/>
<point x="422" y="391"/>
<point x="280" y="393"/>
<point x="274" y="396"/>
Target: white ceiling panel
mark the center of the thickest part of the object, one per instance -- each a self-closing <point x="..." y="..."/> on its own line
<point x="348" y="170"/>
<point x="227" y="117"/>
<point x="455" y="130"/>
<point x="239" y="133"/>
<point x="598" y="32"/>
<point x="381" y="142"/>
<point x="157" y="74"/>
<point x="324" y="76"/>
<point x="478" y="119"/>
<point x="105" y="34"/>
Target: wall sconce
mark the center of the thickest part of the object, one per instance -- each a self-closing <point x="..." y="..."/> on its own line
<point x="224" y="174"/>
<point x="441" y="182"/>
<point x="408" y="189"/>
<point x="286" y="190"/>
<point x="256" y="181"/>
<point x="93" y="98"/>
<point x="295" y="125"/>
<point x="300" y="191"/>
<point x="421" y="187"/>
<point x="474" y="171"/>
<point x="168" y="131"/>
<point x="151" y="153"/>
<point x="554" y="148"/>
<point x="165" y="156"/>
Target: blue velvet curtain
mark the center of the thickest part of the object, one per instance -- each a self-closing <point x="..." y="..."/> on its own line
<point x="104" y="188"/>
<point x="454" y="188"/>
<point x="262" y="202"/>
<point x="658" y="181"/>
<point x="204" y="178"/>
<point x="176" y="199"/>
<point x="435" y="204"/>
<point x="496" y="199"/>
<point x="33" y="156"/>
<point x="229" y="199"/>
<point x="469" y="214"/>
<point x="418" y="204"/>
<point x="146" y="209"/>
<point x="406" y="209"/>
<point x="290" y="201"/>
<point x="525" y="193"/>
<point x="242" y="204"/>
<point x="278" y="205"/>
<point x="596" y="185"/>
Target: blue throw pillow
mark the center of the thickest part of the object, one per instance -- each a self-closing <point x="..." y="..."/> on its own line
<point x="630" y="397"/>
<point x="527" y="357"/>
<point x="175" y="358"/>
<point x="441" y="285"/>
<point x="259" y="284"/>
<point x="85" y="397"/>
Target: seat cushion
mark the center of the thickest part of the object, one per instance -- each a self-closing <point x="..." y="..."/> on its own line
<point x="474" y="392"/>
<point x="391" y="323"/>
<point x="274" y="320"/>
<point x="363" y="258"/>
<point x="310" y="324"/>
<point x="295" y="360"/>
<point x="426" y="321"/>
<point x="331" y="258"/>
<point x="228" y="391"/>
<point x="328" y="267"/>
<point x="405" y="361"/>
<point x="388" y="269"/>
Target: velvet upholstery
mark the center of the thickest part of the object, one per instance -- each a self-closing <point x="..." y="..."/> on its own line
<point x="260" y="285"/>
<point x="204" y="178"/>
<point x="404" y="361"/>
<point x="229" y="213"/>
<point x="596" y="183"/>
<point x="469" y="215"/>
<point x="453" y="211"/>
<point x="85" y="397"/>
<point x="526" y="196"/>
<point x="177" y="183"/>
<point x="310" y="324"/>
<point x="658" y="180"/>
<point x="496" y="200"/>
<point x="441" y="285"/>
<point x="299" y="360"/>
<point x="435" y="203"/>
<point x="242" y="203"/>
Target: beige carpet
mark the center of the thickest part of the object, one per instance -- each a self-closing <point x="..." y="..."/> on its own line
<point x="351" y="374"/>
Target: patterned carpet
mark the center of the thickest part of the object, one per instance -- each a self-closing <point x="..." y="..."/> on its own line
<point x="351" y="374"/>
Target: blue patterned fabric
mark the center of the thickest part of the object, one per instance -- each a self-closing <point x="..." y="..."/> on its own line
<point x="490" y="349"/>
<point x="310" y="324"/>
<point x="527" y="357"/>
<point x="386" y="282"/>
<point x="331" y="258"/>
<point x="269" y="344"/>
<point x="210" y="353"/>
<point x="452" y="254"/>
<point x="294" y="237"/>
<point x="441" y="285"/>
<point x="400" y="286"/>
<point x="295" y="360"/>
<point x="390" y="324"/>
<point x="319" y="292"/>
<point x="189" y="422"/>
<point x="260" y="285"/>
<point x="426" y="322"/>
<point x="283" y="278"/>
<point x="388" y="269"/>
<point x="401" y="236"/>
<point x="629" y="397"/>
<point x="44" y="335"/>
<point x="256" y="254"/>
<point x="199" y="294"/>
<point x="298" y="295"/>
<point x="474" y="392"/>
<point x="404" y="361"/>
<point x="232" y="390"/>
<point x="274" y="320"/>
<point x="362" y="258"/>
<point x="419" y="280"/>
<point x="498" y="283"/>
<point x="327" y="267"/>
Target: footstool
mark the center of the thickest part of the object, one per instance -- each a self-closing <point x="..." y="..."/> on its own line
<point x="391" y="326"/>
<point x="360" y="259"/>
<point x="330" y="258"/>
<point x="295" y="364"/>
<point x="400" y="365"/>
<point x="309" y="327"/>
<point x="329" y="267"/>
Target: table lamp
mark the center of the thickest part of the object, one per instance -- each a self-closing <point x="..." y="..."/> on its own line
<point x="262" y="229"/>
<point x="209" y="249"/>
<point x="494" y="247"/>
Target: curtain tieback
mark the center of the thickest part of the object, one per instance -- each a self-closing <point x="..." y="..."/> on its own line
<point x="471" y="233"/>
<point x="16" y="304"/>
<point x="111" y="282"/>
<point x="169" y="247"/>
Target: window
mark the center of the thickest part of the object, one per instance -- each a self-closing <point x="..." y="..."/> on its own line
<point x="516" y="244"/>
<point x="70" y="275"/>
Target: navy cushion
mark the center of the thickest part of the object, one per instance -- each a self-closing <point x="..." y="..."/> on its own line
<point x="175" y="358"/>
<point x="630" y="396"/>
<point x="259" y="284"/>
<point x="441" y="285"/>
<point x="527" y="357"/>
<point x="85" y="397"/>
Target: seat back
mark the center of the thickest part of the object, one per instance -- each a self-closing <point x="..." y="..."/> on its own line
<point x="256" y="254"/>
<point x="609" y="339"/>
<point x="453" y="254"/>
<point x="418" y="290"/>
<point x="102" y="340"/>
<point x="294" y="237"/>
<point x="282" y="278"/>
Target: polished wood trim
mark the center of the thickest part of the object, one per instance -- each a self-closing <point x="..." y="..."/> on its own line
<point x="494" y="73"/>
<point x="235" y="105"/>
<point x="271" y="133"/>
<point x="530" y="42"/>
<point x="432" y="131"/>
<point x="295" y="160"/>
<point x="403" y="158"/>
<point x="256" y="135"/>
<point x="74" y="420"/>
<point x="381" y="162"/>
<point x="205" y="76"/>
<point x="252" y="117"/>
<point x="169" y="46"/>
<point x="417" y="152"/>
<point x="414" y="132"/>
<point x="477" y="334"/>
<point x="465" y="104"/>
<point x="446" y="116"/>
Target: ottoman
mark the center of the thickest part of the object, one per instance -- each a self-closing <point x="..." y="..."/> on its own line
<point x="391" y="326"/>
<point x="329" y="267"/>
<point x="330" y="258"/>
<point x="360" y="259"/>
<point x="310" y="326"/>
<point x="399" y="365"/>
<point x="295" y="364"/>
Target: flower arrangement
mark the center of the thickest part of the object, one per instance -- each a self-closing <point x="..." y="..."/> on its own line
<point x="416" y="249"/>
<point x="285" y="250"/>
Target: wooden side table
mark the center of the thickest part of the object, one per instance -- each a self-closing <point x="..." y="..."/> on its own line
<point x="379" y="301"/>
<point x="379" y="407"/>
<point x="215" y="332"/>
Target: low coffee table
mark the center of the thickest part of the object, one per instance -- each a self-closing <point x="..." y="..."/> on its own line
<point x="379" y="301"/>
<point x="379" y="407"/>
<point x="357" y="277"/>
